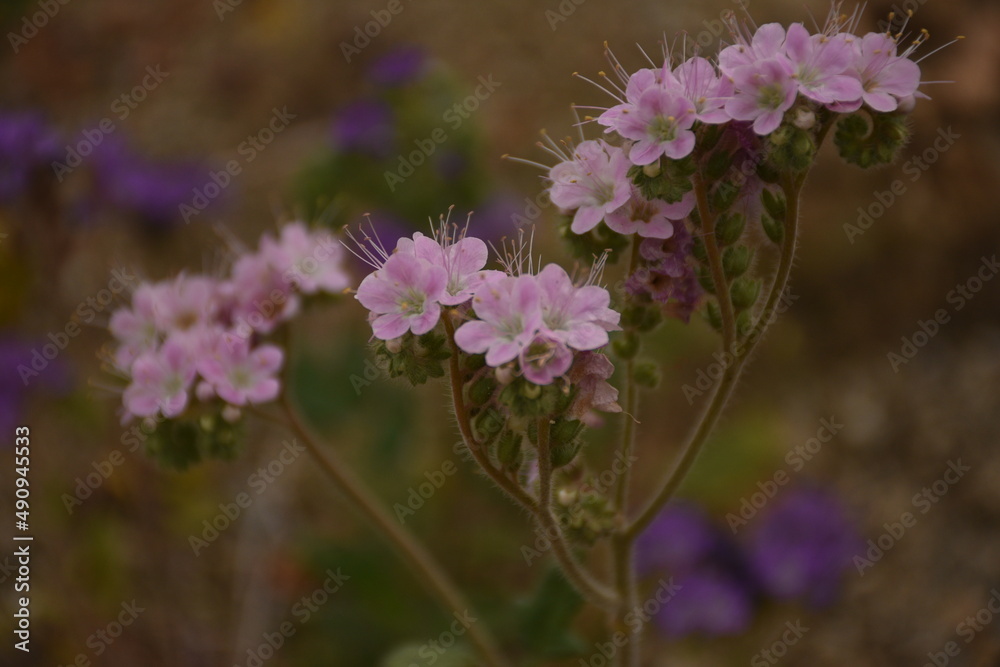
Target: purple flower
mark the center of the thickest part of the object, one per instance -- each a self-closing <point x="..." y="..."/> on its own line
<point x="708" y="602"/>
<point x="399" y="67"/>
<point x="667" y="276"/>
<point x="404" y="295"/>
<point x="151" y="190"/>
<point x="27" y="145"/>
<point x="802" y="545"/>
<point x="508" y="315"/>
<point x="819" y="64"/>
<point x="365" y="126"/>
<point x="764" y="92"/>
<point x="680" y="539"/>
<point x="593" y="183"/>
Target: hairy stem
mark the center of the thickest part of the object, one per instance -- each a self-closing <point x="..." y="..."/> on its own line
<point x="511" y="487"/>
<point x="740" y="354"/>
<point x="591" y="589"/>
<point x="584" y="582"/>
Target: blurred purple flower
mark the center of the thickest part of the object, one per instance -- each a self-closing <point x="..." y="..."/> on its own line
<point x="678" y="540"/>
<point x="151" y="190"/>
<point x="451" y="164"/>
<point x="365" y="126"/>
<point x="802" y="545"/>
<point x="493" y="218"/>
<point x="708" y="602"/>
<point x="401" y="66"/>
<point x="27" y="144"/>
<point x="15" y="369"/>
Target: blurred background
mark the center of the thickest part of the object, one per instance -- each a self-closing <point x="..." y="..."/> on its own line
<point x="139" y="140"/>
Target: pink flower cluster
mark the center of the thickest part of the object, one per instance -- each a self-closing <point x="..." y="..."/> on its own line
<point x="758" y="79"/>
<point x="536" y="320"/>
<point x="594" y="181"/>
<point x="200" y="335"/>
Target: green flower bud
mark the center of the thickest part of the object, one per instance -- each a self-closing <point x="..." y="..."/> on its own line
<point x="723" y="196"/>
<point x="871" y="143"/>
<point x="509" y="450"/>
<point x="744" y="292"/>
<point x="792" y="149"/>
<point x="627" y="345"/>
<point x="774" y="203"/>
<point x="736" y="260"/>
<point x="704" y="275"/>
<point x="774" y="229"/>
<point x="647" y="374"/>
<point x="481" y="390"/>
<point x="729" y="228"/>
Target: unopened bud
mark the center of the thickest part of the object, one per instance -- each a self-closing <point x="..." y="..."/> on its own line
<point x="505" y="374"/>
<point x="231" y="414"/>
<point x="804" y="119"/>
<point x="566" y="496"/>
<point x="394" y="345"/>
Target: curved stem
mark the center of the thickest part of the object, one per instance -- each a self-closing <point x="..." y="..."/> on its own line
<point x="541" y="510"/>
<point x="409" y="549"/>
<point x="590" y="588"/>
<point x="740" y="354"/>
<point x="514" y="490"/>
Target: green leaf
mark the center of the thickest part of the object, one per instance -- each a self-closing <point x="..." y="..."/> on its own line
<point x="547" y="618"/>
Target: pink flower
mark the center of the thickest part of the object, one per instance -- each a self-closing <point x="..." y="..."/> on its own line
<point x="309" y="260"/>
<point x="765" y="44"/>
<point x="261" y="296"/>
<point x="594" y="183"/>
<point x="819" y="63"/>
<point x="580" y="317"/>
<point x="765" y="91"/>
<point x="463" y="261"/>
<point x="186" y="302"/>
<point x="160" y="382"/>
<point x="649" y="219"/>
<point x="508" y="315"/>
<point x="705" y="89"/>
<point x="660" y="123"/>
<point x="404" y="295"/>
<point x="135" y="327"/>
<point x="885" y="77"/>
<point x="240" y="375"/>
<point x="544" y="359"/>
